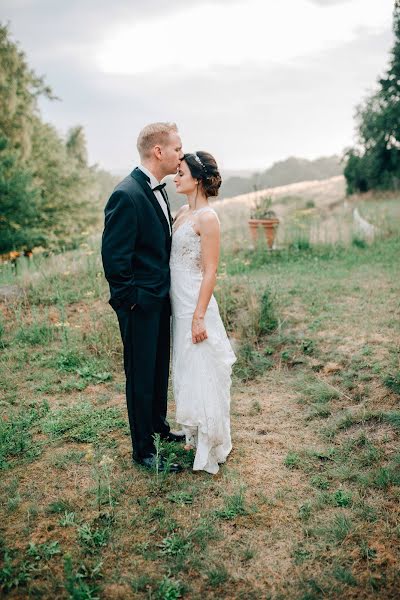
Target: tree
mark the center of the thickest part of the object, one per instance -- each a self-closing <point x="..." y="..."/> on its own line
<point x="375" y="162"/>
<point x="19" y="91"/>
<point x="76" y="145"/>
<point x="49" y="195"/>
<point x="20" y="216"/>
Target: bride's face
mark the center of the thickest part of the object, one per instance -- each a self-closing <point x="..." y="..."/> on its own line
<point x="185" y="183"/>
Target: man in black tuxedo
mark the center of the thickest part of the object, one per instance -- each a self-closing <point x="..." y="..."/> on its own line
<point x="136" y="247"/>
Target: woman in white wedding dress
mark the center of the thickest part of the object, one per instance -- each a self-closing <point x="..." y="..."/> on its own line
<point x="202" y="356"/>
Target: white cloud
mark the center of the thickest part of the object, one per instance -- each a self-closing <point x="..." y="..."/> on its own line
<point x="254" y="31"/>
<point x="315" y="62"/>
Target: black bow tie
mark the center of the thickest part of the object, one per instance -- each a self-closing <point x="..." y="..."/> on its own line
<point x="158" y="187"/>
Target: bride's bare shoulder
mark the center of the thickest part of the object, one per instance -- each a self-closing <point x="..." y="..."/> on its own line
<point x="208" y="216"/>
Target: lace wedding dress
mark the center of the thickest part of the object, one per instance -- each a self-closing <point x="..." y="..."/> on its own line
<point x="201" y="373"/>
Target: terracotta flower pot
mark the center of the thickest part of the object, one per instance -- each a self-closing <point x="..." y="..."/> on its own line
<point x="269" y="225"/>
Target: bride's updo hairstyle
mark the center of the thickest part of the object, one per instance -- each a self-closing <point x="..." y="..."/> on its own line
<point x="203" y="166"/>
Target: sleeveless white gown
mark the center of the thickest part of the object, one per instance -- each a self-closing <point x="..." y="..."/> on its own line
<point x="201" y="373"/>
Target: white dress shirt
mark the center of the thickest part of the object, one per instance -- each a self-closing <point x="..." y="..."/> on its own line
<point x="152" y="183"/>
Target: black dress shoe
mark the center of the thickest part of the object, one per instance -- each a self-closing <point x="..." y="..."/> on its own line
<point x="150" y="463"/>
<point x="174" y="437"/>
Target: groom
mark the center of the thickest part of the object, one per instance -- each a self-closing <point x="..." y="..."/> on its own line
<point x="136" y="247"/>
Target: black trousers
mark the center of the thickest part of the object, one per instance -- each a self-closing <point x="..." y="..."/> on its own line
<point x="146" y="339"/>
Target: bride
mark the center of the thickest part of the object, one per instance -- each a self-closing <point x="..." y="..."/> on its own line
<point x="202" y="356"/>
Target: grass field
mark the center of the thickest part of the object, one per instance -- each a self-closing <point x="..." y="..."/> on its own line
<point x="307" y="505"/>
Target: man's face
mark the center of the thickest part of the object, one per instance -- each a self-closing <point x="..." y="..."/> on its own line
<point x="171" y="154"/>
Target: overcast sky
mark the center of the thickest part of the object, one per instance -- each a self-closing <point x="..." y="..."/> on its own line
<point x="252" y="81"/>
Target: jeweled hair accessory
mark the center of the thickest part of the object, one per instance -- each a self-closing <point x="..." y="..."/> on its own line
<point x="199" y="161"/>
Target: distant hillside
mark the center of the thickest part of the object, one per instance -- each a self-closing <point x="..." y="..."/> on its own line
<point x="284" y="172"/>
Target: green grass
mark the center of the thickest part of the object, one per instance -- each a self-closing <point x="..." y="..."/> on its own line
<point x="81" y="583"/>
<point x="16" y="439"/>
<point x="234" y="506"/>
<point x="91" y="539"/>
<point x="310" y="494"/>
<point x="83" y="422"/>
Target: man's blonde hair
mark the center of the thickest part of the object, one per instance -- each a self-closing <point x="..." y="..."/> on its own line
<point x="153" y="134"/>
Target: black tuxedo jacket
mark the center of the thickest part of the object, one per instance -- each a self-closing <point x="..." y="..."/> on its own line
<point x="136" y="246"/>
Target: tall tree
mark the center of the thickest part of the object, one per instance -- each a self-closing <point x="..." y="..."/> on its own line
<point x="49" y="196"/>
<point x="76" y="145"/>
<point x="19" y="216"/>
<point x="375" y="162"/>
<point x="19" y="91"/>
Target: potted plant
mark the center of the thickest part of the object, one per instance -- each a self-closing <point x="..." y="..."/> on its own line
<point x="263" y="217"/>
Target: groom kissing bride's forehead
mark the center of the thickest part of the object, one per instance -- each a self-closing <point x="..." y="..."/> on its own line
<point x="160" y="146"/>
<point x="158" y="268"/>
<point x="136" y="247"/>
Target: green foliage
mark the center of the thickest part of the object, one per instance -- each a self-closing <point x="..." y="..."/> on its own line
<point x="384" y="477"/>
<point x="83" y="422"/>
<point x="81" y="584"/>
<point x="255" y="317"/>
<point x="344" y="576"/>
<point x="292" y="460"/>
<point x="300" y="554"/>
<point x="19" y="94"/>
<point x="67" y="520"/>
<point x="67" y="204"/>
<point x="268" y="320"/>
<point x="175" y="544"/>
<point x="169" y="589"/>
<point x="43" y="551"/>
<point x="58" y="506"/>
<point x="234" y="506"/>
<point x="35" y="334"/>
<point x="342" y="498"/>
<point x="181" y="498"/>
<point x="375" y="163"/>
<point x="358" y="242"/>
<point x="316" y="391"/>
<point x="305" y="511"/>
<point x="204" y="532"/>
<point x="64" y="461"/>
<point x="16" y="435"/>
<point x="232" y="297"/>
<point x="392" y="381"/>
<point x="217" y="576"/>
<point x="92" y="538"/>
<point x="320" y="482"/>
<point x="88" y="368"/>
<point x="14" y="574"/>
<point x="262" y="209"/>
<point x="250" y="362"/>
<point x="19" y="206"/>
<point x="49" y="196"/>
<point x="2" y="334"/>
<point x="300" y="244"/>
<point x="339" y="528"/>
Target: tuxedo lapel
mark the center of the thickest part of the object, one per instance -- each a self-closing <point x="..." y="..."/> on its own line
<point x="165" y="196"/>
<point x="141" y="178"/>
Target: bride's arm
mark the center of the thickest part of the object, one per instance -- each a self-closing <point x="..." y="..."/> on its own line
<point x="210" y="242"/>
